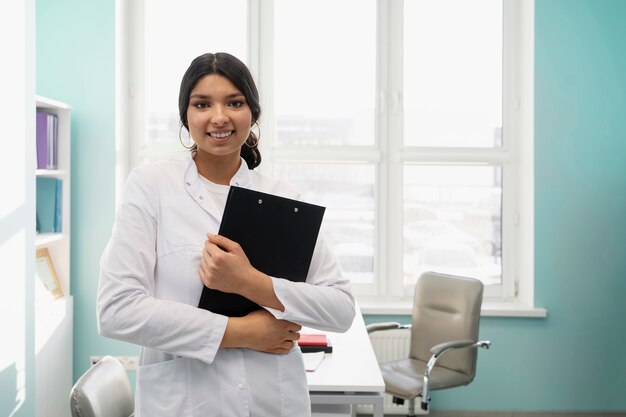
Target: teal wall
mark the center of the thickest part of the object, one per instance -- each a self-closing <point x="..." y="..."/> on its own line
<point x="76" y="64"/>
<point x="580" y="194"/>
<point x="573" y="359"/>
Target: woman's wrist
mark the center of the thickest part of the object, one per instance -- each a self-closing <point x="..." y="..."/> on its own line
<point x="260" y="289"/>
<point x="235" y="329"/>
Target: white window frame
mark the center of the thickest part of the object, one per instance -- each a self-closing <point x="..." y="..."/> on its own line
<point x="516" y="296"/>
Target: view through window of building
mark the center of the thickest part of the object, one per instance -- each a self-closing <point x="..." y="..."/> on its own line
<point x="453" y="73"/>
<point x="325" y="96"/>
<point x="325" y="73"/>
<point x="453" y="66"/>
<point x="452" y="222"/>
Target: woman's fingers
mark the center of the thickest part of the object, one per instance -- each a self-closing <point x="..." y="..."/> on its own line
<point x="274" y="335"/>
<point x="293" y="336"/>
<point x="290" y="341"/>
<point x="284" y="347"/>
<point x="293" y="327"/>
<point x="222" y="242"/>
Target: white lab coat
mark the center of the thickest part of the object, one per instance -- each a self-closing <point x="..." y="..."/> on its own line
<point x="149" y="289"/>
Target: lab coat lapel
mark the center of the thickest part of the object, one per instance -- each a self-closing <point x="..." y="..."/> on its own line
<point x="198" y="192"/>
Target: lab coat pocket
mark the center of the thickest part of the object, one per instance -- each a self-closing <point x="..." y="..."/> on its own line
<point x="204" y="390"/>
<point x="182" y="226"/>
<point x="162" y="389"/>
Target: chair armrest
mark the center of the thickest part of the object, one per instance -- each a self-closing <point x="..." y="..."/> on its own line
<point x="392" y="325"/>
<point x="442" y="348"/>
<point x="457" y="344"/>
<point x="439" y="350"/>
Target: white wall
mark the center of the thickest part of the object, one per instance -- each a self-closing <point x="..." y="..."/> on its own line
<point x="17" y="207"/>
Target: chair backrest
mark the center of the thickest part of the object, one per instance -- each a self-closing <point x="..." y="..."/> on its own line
<point x="446" y="308"/>
<point x="103" y="391"/>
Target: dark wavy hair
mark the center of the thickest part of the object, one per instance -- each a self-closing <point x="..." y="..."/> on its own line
<point x="226" y="65"/>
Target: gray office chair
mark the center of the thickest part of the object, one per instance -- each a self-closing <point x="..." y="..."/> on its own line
<point x="446" y="317"/>
<point x="103" y="391"/>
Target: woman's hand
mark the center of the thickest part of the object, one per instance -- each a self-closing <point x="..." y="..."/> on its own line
<point x="225" y="267"/>
<point x="261" y="331"/>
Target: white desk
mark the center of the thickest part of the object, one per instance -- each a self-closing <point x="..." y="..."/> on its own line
<point x="349" y="375"/>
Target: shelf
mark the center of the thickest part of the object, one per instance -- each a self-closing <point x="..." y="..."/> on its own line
<point x="45" y="239"/>
<point x="54" y="317"/>
<point x="47" y="103"/>
<point x="50" y="172"/>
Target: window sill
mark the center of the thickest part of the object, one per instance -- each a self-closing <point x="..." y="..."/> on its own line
<point x="489" y="308"/>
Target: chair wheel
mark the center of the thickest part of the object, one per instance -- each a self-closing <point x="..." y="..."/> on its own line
<point x="397" y="400"/>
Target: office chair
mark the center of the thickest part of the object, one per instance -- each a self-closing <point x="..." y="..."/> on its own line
<point x="103" y="391"/>
<point x="444" y="339"/>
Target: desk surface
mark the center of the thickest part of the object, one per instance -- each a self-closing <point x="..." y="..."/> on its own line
<point x="352" y="367"/>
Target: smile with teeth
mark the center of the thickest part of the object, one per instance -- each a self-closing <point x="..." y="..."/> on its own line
<point x="220" y="135"/>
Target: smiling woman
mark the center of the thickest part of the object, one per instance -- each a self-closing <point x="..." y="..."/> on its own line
<point x="195" y="361"/>
<point x="219" y="115"/>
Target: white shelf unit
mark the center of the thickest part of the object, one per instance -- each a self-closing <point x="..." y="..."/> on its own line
<point x="54" y="317"/>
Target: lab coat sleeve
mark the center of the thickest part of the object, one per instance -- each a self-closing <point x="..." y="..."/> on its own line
<point x="126" y="307"/>
<point x="324" y="301"/>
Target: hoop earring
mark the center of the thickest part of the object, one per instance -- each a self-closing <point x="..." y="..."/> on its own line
<point x="187" y="146"/>
<point x="255" y="138"/>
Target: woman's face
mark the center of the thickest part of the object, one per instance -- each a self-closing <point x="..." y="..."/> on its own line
<point x="219" y="117"/>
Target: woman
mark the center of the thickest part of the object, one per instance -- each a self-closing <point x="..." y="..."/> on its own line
<point x="163" y="250"/>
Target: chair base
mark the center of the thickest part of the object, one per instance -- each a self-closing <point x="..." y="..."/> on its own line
<point x="397" y="400"/>
<point x="423" y="409"/>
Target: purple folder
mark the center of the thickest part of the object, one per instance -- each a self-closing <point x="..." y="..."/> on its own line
<point x="47" y="142"/>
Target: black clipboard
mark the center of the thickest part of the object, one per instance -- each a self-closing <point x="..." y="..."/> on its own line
<point x="278" y="236"/>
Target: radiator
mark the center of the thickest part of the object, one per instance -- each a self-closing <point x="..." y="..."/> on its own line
<point x="389" y="345"/>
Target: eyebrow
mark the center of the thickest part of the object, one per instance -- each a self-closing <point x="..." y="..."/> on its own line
<point x="204" y="96"/>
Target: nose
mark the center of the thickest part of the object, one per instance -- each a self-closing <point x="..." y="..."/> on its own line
<point x="219" y="116"/>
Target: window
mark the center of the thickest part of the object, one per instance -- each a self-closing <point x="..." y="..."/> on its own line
<point x="180" y="46"/>
<point x="324" y="92"/>
<point x="410" y="121"/>
<point x="157" y="41"/>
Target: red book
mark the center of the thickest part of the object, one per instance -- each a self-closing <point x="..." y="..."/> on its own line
<point x="308" y="339"/>
<point x="314" y="342"/>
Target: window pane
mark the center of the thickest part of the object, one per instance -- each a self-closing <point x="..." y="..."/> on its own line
<point x="347" y="192"/>
<point x="176" y="33"/>
<point x="453" y="221"/>
<point x="325" y="72"/>
<point x="453" y="73"/>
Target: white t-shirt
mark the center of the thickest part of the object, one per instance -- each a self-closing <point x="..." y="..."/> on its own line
<point x="217" y="192"/>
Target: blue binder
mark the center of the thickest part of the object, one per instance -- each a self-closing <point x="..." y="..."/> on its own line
<point x="49" y="205"/>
